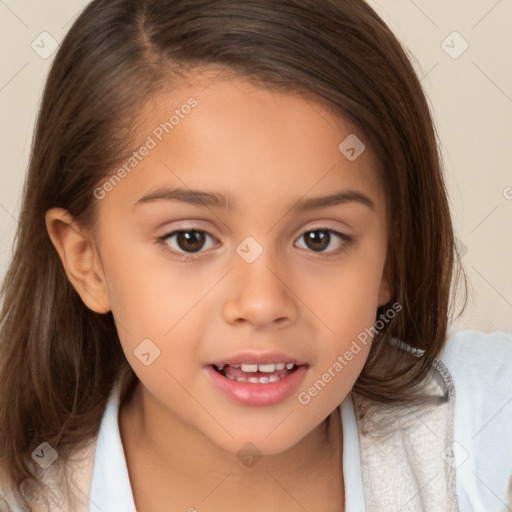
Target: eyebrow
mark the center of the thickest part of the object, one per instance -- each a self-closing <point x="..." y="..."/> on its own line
<point x="216" y="200"/>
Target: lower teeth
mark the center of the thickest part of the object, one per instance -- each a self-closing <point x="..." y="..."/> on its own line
<point x="234" y="373"/>
<point x="256" y="380"/>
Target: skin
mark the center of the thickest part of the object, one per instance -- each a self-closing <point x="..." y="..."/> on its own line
<point x="267" y="150"/>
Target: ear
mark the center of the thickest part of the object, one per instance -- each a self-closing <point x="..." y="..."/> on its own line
<point x="78" y="253"/>
<point x="385" y="288"/>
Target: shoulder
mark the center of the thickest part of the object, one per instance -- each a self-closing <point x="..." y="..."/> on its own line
<point x="480" y="365"/>
<point x="481" y="368"/>
<point x="478" y="349"/>
<point x="7" y="501"/>
<point x="64" y="485"/>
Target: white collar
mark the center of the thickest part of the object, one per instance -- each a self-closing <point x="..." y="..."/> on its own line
<point x="111" y="490"/>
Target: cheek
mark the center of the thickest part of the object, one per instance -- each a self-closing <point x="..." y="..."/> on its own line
<point x="153" y="299"/>
<point x="345" y="307"/>
<point x="145" y="291"/>
<point x="342" y="352"/>
<point x="344" y="297"/>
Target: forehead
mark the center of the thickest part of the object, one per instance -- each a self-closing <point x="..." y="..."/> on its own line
<point x="245" y="141"/>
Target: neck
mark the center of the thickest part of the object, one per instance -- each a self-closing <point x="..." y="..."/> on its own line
<point x="189" y="465"/>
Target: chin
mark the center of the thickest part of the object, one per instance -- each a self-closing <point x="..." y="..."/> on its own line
<point x="259" y="442"/>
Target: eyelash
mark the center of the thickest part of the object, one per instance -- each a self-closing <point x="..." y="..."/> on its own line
<point x="346" y="240"/>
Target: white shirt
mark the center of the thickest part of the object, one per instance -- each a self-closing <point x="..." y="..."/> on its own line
<point x="481" y="367"/>
<point x="111" y="490"/>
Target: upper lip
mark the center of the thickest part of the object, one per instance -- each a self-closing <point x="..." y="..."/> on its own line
<point x="258" y="358"/>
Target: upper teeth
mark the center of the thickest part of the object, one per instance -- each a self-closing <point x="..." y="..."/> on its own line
<point x="265" y="368"/>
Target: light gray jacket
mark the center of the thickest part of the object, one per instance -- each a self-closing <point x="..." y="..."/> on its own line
<point x="447" y="457"/>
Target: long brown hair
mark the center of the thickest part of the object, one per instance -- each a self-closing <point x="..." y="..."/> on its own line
<point x="58" y="359"/>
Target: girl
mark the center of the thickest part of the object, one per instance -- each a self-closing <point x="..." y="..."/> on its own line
<point x="231" y="285"/>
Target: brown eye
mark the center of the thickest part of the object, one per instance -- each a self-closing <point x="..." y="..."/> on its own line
<point x="188" y="241"/>
<point x="191" y="241"/>
<point x="319" y="240"/>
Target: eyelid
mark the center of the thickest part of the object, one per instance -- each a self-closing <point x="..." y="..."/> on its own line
<point x="187" y="255"/>
<point x="346" y="241"/>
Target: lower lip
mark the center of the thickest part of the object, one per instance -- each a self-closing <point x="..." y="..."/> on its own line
<point x="247" y="393"/>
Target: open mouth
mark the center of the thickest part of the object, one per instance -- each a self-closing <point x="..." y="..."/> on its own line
<point x="256" y="373"/>
<point x="257" y="383"/>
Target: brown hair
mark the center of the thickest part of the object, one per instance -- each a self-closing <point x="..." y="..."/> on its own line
<point x="58" y="359"/>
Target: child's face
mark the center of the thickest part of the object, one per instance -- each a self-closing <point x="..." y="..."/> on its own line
<point x="305" y="296"/>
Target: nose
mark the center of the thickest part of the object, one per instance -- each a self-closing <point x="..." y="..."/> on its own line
<point x="260" y="294"/>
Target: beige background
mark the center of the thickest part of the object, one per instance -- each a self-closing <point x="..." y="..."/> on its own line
<point x="470" y="94"/>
